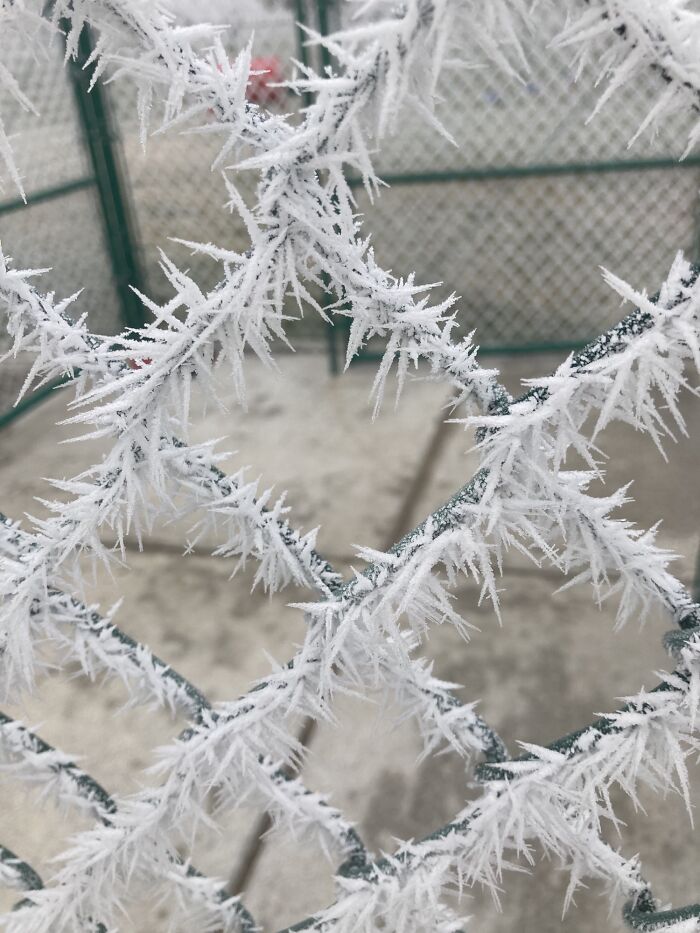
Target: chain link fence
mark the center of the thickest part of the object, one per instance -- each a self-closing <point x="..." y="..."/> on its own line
<point x="535" y="196"/>
<point x="171" y="193"/>
<point x="516" y="218"/>
<point x="62" y="222"/>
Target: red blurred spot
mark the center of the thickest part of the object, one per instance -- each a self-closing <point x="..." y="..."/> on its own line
<point x="259" y="90"/>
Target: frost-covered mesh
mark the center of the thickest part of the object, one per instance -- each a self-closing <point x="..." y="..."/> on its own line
<point x="499" y="121"/>
<point x="523" y="252"/>
<point x="171" y="197"/>
<point x="63" y="229"/>
<point x="69" y="229"/>
<point x="354" y="630"/>
<point x="48" y="147"/>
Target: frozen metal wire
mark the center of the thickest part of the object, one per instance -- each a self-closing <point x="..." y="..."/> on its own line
<point x="87" y="789"/>
<point x="523" y="201"/>
<point x="185" y="693"/>
<point x="688" y="620"/>
<point x="25" y="876"/>
<point x="643" y="914"/>
<point x="640" y="913"/>
<point x="359" y="865"/>
<point x="609" y="343"/>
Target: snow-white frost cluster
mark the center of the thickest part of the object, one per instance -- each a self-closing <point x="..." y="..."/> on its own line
<point x="623" y="39"/>
<point x="364" y="632"/>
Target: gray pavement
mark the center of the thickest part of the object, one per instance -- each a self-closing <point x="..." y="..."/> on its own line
<point x="552" y="663"/>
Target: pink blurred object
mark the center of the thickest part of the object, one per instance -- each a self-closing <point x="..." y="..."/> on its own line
<point x="259" y="90"/>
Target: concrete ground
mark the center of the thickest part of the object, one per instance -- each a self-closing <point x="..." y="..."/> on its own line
<point x="551" y="665"/>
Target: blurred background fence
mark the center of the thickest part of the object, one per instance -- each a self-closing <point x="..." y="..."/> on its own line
<point x="516" y="217"/>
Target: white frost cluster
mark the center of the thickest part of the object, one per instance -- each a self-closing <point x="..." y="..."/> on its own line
<point x="624" y="39"/>
<point x="365" y="632"/>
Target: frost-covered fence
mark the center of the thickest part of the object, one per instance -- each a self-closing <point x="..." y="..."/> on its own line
<point x="558" y="196"/>
<point x="58" y="209"/>
<point x="167" y="197"/>
<point x="68" y="200"/>
<point x="529" y="185"/>
<point x="535" y="188"/>
<point x="364" y="632"/>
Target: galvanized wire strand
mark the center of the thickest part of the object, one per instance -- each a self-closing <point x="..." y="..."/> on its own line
<point x="608" y="343"/>
<point x="91" y="791"/>
<point x="189" y="697"/>
<point x="319" y="573"/>
<point x="26" y="876"/>
<point x="641" y="913"/>
<point x="622" y="31"/>
<point x="309" y="566"/>
<point x="449" y="515"/>
<point x="612" y="341"/>
<point x="19" y="740"/>
<point x="86" y="788"/>
<point x="583" y="739"/>
<point x="688" y="621"/>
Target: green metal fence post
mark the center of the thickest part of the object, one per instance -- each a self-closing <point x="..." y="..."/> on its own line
<point x="300" y="7"/>
<point x="106" y="178"/>
<point x="100" y="137"/>
<point x="301" y="22"/>
<point x="324" y="11"/>
<point x="695" y="248"/>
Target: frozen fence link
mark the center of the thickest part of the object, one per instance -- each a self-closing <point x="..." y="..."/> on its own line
<point x="625" y="38"/>
<point x="17" y="874"/>
<point x="24" y="753"/>
<point x="365" y="632"/>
